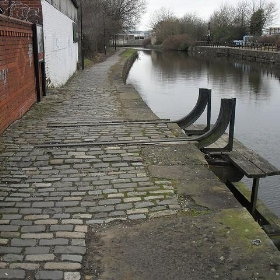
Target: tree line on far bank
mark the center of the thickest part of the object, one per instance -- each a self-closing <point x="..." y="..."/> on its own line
<point x="104" y="18"/>
<point x="225" y="25"/>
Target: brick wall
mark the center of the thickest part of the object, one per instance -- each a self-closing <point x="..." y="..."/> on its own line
<point x="17" y="74"/>
<point x="30" y="10"/>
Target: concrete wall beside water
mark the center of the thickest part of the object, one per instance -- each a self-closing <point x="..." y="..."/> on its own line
<point x="250" y="55"/>
<point x="61" y="53"/>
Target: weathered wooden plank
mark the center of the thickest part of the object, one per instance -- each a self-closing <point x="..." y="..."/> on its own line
<point x="249" y="162"/>
<point x="247" y="167"/>
<point x="262" y="163"/>
<point x="256" y="159"/>
<point x="252" y="157"/>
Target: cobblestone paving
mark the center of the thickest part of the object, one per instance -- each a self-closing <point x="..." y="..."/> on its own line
<point x="36" y="135"/>
<point x="49" y="197"/>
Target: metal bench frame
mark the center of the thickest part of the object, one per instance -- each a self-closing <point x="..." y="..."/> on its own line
<point x="203" y="101"/>
<point x="225" y="119"/>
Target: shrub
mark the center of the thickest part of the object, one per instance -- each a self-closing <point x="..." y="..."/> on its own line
<point x="278" y="44"/>
<point x="177" y="43"/>
<point x="268" y="39"/>
<point x="147" y="42"/>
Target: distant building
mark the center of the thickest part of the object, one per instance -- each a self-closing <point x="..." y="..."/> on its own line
<point x="131" y="38"/>
<point x="273" y="31"/>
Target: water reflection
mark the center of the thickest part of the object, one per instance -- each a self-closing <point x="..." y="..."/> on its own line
<point x="161" y="73"/>
<point x="169" y="83"/>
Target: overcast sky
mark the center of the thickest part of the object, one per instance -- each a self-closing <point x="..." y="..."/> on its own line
<point x="202" y="8"/>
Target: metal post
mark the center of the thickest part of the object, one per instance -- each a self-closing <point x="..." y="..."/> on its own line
<point x="82" y="47"/>
<point x="209" y="33"/>
<point x="231" y="126"/>
<point x="44" y="86"/>
<point x="254" y="196"/>
<point x="209" y="111"/>
<point x="104" y="31"/>
<point x="36" y="62"/>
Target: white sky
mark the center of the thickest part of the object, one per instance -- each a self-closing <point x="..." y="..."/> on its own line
<point x="202" y="8"/>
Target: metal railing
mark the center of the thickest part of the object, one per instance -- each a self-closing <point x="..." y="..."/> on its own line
<point x="250" y="46"/>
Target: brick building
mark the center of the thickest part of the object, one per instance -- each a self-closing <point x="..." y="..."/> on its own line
<point x="59" y="19"/>
<point x="19" y="83"/>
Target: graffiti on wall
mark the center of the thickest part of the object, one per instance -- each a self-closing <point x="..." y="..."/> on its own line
<point x="30" y="54"/>
<point x="3" y="75"/>
<point x="70" y="47"/>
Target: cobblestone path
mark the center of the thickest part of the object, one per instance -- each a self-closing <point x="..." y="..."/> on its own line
<point x="50" y="196"/>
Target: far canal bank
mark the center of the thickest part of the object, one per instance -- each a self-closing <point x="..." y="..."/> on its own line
<point x="262" y="56"/>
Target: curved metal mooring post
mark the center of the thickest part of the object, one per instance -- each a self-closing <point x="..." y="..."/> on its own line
<point x="226" y="118"/>
<point x="204" y="99"/>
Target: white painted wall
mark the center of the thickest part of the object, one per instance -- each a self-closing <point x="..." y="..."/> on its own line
<point x="61" y="53"/>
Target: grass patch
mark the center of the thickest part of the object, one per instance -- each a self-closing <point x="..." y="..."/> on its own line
<point x="128" y="52"/>
<point x="98" y="57"/>
<point x="88" y="62"/>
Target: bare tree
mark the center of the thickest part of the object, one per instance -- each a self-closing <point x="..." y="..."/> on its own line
<point x="161" y="15"/>
<point x="93" y="23"/>
<point x="165" y="25"/>
<point x="193" y="26"/>
<point x="242" y="17"/>
<point x="222" y="23"/>
<point x="229" y="23"/>
<point x="103" y="18"/>
<point x="224" y="16"/>
<point x="226" y="24"/>
<point x="270" y="11"/>
<point x="126" y="12"/>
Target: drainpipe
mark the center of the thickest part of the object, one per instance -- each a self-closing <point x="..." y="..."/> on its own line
<point x="82" y="48"/>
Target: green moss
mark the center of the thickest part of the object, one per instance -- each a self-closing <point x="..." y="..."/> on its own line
<point x="269" y="216"/>
<point x="128" y="52"/>
<point x="193" y="212"/>
<point x="88" y="62"/>
<point x="239" y="225"/>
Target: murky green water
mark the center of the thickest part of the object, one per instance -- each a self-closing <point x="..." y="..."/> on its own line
<point x="169" y="84"/>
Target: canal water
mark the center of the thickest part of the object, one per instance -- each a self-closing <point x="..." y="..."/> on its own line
<point x="169" y="83"/>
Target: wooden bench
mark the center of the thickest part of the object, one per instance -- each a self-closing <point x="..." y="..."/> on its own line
<point x="214" y="141"/>
<point x="252" y="166"/>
